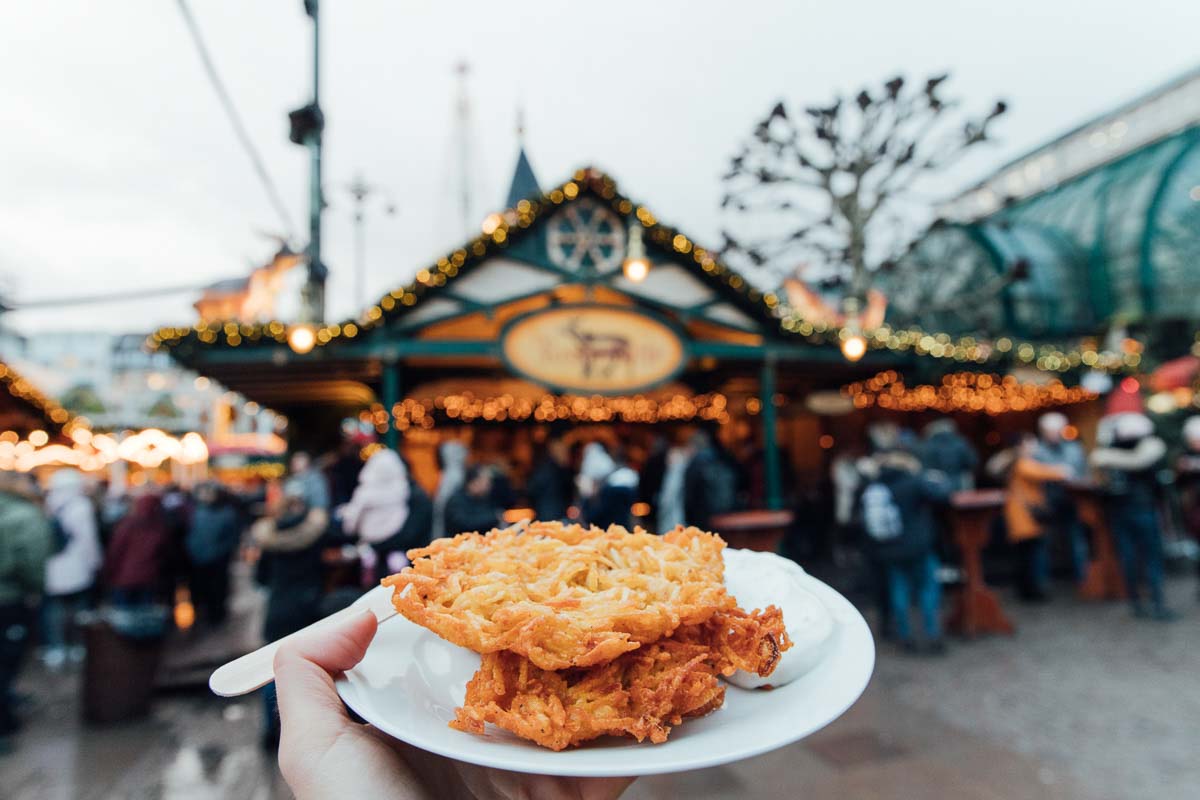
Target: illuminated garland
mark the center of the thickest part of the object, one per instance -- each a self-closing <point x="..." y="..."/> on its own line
<point x="21" y="389"/>
<point x="962" y="392"/>
<point x="500" y="229"/>
<point x="412" y="413"/>
<point x="148" y="449"/>
<point x="1043" y="356"/>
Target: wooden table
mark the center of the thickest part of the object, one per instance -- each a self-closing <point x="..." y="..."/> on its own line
<point x="760" y="530"/>
<point x="1102" y="579"/>
<point x="976" y="608"/>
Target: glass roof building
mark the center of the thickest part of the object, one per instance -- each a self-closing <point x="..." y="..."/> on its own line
<point x="1116" y="243"/>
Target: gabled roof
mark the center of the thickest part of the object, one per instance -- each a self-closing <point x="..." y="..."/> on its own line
<point x="510" y="227"/>
<point x="524" y="183"/>
<point x="23" y="406"/>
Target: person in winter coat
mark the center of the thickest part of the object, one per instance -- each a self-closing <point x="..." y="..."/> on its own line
<point x="550" y="486"/>
<point x="471" y="508"/>
<point x="212" y="540"/>
<point x="1187" y="472"/>
<point x="897" y="509"/>
<point x="1128" y="457"/>
<point x="709" y="484"/>
<point x="669" y="503"/>
<point x="945" y="450"/>
<point x="1025" y="515"/>
<point x="379" y="510"/>
<point x="71" y="570"/>
<point x="452" y="460"/>
<point x="25" y="542"/>
<point x="291" y="570"/>
<point x="608" y="490"/>
<point x="134" y="563"/>
<point x="307" y="475"/>
<point x="1061" y="516"/>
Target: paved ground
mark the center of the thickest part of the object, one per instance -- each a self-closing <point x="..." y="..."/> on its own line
<point x="1084" y="703"/>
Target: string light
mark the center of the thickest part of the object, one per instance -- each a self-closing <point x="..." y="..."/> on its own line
<point x="854" y="347"/>
<point x="425" y="413"/>
<point x="21" y="389"/>
<point x="498" y="230"/>
<point x="149" y="449"/>
<point x="497" y="234"/>
<point x="302" y="338"/>
<point x="963" y="392"/>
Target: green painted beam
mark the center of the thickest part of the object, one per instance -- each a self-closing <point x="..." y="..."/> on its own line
<point x="390" y="392"/>
<point x="774" y="476"/>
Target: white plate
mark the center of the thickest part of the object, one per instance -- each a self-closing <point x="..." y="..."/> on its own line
<point x="411" y="681"/>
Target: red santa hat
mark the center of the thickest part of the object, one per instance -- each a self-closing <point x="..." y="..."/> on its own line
<point x="1126" y="398"/>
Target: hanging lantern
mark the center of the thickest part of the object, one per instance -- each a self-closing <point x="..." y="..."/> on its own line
<point x="302" y="338"/>
<point x="854" y="347"/>
<point x="636" y="266"/>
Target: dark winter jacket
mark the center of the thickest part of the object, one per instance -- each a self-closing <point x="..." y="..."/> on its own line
<point x="214" y="533"/>
<point x="612" y="503"/>
<point x="136" y="557"/>
<point x="550" y="488"/>
<point x="465" y="512"/>
<point x="915" y="495"/>
<point x="1130" y="471"/>
<point x="948" y="451"/>
<point x="291" y="569"/>
<point x="24" y="547"/>
<point x="709" y="487"/>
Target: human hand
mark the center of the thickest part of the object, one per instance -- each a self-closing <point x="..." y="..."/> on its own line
<point x="324" y="754"/>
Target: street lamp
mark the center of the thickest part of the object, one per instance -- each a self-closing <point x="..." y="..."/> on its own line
<point x="361" y="191"/>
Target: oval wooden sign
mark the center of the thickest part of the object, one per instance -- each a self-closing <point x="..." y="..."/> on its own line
<point x="590" y="349"/>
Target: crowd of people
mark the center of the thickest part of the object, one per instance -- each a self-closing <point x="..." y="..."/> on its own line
<point x="895" y="496"/>
<point x="79" y="545"/>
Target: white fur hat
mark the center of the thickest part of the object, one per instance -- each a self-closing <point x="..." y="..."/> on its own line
<point x="1131" y="425"/>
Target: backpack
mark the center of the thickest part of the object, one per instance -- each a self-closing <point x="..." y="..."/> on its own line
<point x="881" y="515"/>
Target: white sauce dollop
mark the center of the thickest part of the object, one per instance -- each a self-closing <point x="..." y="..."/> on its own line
<point x="758" y="580"/>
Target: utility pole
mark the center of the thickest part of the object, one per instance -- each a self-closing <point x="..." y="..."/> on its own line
<point x="361" y="191"/>
<point x="463" y="131"/>
<point x="307" y="127"/>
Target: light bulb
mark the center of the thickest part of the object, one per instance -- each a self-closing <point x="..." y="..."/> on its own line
<point x="302" y="338"/>
<point x="636" y="269"/>
<point x="854" y="348"/>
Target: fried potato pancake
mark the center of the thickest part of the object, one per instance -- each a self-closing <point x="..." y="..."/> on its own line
<point x="563" y="596"/>
<point x="641" y="694"/>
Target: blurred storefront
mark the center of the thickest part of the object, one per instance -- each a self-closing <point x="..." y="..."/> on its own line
<point x="573" y="310"/>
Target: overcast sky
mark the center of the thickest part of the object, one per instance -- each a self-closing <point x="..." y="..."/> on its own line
<point x="119" y="170"/>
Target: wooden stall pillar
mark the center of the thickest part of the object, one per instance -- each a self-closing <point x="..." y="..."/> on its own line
<point x="391" y="395"/>
<point x="771" y="466"/>
<point x="976" y="608"/>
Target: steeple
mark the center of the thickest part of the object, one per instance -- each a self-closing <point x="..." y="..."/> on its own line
<point x="524" y="182"/>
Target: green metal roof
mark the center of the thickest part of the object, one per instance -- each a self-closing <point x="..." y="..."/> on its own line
<point x="1118" y="243"/>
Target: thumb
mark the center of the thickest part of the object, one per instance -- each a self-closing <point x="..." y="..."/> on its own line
<point x="309" y="706"/>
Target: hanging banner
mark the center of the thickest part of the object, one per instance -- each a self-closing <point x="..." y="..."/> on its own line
<point x="593" y="349"/>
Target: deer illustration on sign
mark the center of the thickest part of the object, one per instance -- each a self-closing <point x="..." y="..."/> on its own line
<point x="602" y="351"/>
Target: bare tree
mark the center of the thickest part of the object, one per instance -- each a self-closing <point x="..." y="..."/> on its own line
<point x="839" y="175"/>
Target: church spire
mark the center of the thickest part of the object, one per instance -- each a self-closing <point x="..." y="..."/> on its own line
<point x="524" y="183"/>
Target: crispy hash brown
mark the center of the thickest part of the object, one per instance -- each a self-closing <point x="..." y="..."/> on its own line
<point x="563" y="596"/>
<point x="641" y="694"/>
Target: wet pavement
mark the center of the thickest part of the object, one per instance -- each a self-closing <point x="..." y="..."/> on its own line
<point x="1085" y="702"/>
